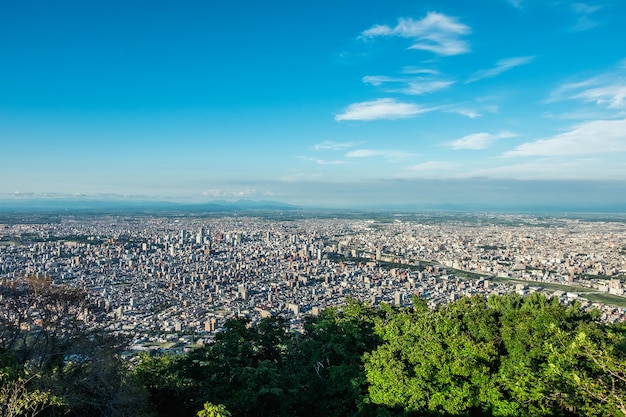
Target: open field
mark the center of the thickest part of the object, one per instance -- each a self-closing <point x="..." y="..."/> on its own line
<point x="583" y="292"/>
<point x="604" y="298"/>
<point x="546" y="285"/>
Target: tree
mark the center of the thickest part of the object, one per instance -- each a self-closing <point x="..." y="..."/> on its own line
<point x="507" y="355"/>
<point x="244" y="369"/>
<point x="436" y="361"/>
<point x="170" y="391"/>
<point x="39" y="320"/>
<point x="17" y="400"/>
<point x="590" y="370"/>
<point x="327" y="360"/>
<point x="212" y="410"/>
<point x="45" y="329"/>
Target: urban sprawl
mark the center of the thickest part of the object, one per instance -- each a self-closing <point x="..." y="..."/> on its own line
<point x="172" y="282"/>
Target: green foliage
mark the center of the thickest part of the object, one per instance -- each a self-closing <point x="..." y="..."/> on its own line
<point x="501" y="356"/>
<point x="264" y="370"/>
<point x="245" y="369"/>
<point x="327" y="360"/>
<point x="507" y="355"/>
<point x="17" y="399"/>
<point x="168" y="389"/>
<point x="437" y="361"/>
<point x="212" y="410"/>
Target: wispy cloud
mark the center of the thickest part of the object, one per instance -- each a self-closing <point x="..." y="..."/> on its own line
<point x="419" y="87"/>
<point x="467" y="112"/>
<point x="597" y="137"/>
<point x="584" y="12"/>
<point x="477" y="141"/>
<point x="385" y="153"/>
<point x="330" y="145"/>
<point x="501" y="66"/>
<point x="378" y="80"/>
<point x="333" y="162"/>
<point x="580" y="115"/>
<point x="407" y="85"/>
<point x="419" y="70"/>
<point x="323" y="161"/>
<point x="436" y="33"/>
<point x="383" y="108"/>
<point x="473" y="110"/>
<point x="432" y="167"/>
<point x="218" y="193"/>
<point x="606" y="90"/>
<point x="549" y="169"/>
<point x="515" y="3"/>
<point x="613" y="96"/>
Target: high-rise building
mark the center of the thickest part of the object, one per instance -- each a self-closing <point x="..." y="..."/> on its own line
<point x="398" y="298"/>
<point x="200" y="236"/>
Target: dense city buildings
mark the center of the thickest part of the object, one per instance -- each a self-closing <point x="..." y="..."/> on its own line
<point x="173" y="281"/>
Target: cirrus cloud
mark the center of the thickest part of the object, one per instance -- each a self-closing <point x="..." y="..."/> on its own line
<point x="477" y="141"/>
<point x="330" y="145"/>
<point x="606" y="90"/>
<point x="434" y="168"/>
<point x="596" y="137"/>
<point x="385" y="153"/>
<point x="501" y="66"/>
<point x="382" y="108"/>
<point x="584" y="12"/>
<point x="408" y="85"/>
<point x="436" y="33"/>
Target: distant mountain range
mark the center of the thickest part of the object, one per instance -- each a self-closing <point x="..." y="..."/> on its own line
<point x="88" y="204"/>
<point x="103" y="205"/>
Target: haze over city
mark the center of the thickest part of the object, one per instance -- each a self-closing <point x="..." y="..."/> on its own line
<point x="315" y="103"/>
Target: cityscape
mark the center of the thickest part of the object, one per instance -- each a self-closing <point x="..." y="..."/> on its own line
<point x="312" y="208"/>
<point x="171" y="282"/>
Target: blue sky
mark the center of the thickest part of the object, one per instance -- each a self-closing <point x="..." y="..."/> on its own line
<point x="331" y="103"/>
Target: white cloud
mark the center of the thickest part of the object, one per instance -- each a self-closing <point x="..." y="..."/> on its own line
<point x="432" y="166"/>
<point x="333" y="146"/>
<point x="582" y="114"/>
<point x="419" y="70"/>
<point x="377" y="80"/>
<point x="436" y="33"/>
<point x="550" y="168"/>
<point x="607" y="90"/>
<point x="597" y="137"/>
<point x="472" y="114"/>
<point x="423" y="87"/>
<point x="611" y="96"/>
<point x="501" y="66"/>
<point x="534" y="170"/>
<point x="323" y="161"/>
<point x="383" y="108"/>
<point x="214" y="193"/>
<point x="333" y="162"/>
<point x="582" y="8"/>
<point x="478" y="141"/>
<point x="385" y="153"/>
<point x="473" y="110"/>
<point x="217" y="193"/>
<point x="408" y="85"/>
<point x="584" y="12"/>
